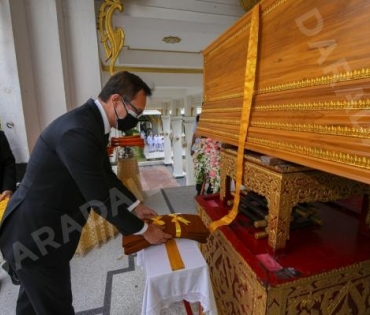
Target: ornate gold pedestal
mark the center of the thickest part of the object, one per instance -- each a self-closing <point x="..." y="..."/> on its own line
<point x="239" y="290"/>
<point x="284" y="187"/>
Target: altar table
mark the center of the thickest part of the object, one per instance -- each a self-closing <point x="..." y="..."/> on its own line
<point x="164" y="286"/>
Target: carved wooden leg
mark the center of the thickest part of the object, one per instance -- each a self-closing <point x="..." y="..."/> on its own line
<point x="364" y="226"/>
<point x="280" y="209"/>
<point x="223" y="183"/>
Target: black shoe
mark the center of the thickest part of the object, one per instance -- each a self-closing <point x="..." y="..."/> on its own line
<point x="13" y="276"/>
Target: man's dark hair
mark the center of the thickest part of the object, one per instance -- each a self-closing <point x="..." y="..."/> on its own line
<point x="125" y="84"/>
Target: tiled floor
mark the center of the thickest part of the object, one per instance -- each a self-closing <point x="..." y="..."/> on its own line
<point x="158" y="176"/>
<point x="105" y="281"/>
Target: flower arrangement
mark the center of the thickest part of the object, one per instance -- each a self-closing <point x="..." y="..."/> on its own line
<point x="206" y="160"/>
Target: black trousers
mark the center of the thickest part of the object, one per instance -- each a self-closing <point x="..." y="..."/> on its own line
<point x="45" y="290"/>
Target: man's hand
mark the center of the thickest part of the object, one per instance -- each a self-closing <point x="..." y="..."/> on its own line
<point x="143" y="212"/>
<point x="5" y="194"/>
<point x="154" y="235"/>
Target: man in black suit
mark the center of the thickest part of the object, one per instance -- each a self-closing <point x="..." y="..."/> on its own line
<point x="68" y="174"/>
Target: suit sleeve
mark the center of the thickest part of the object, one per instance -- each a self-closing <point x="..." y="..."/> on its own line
<point x="84" y="155"/>
<point x="7" y="167"/>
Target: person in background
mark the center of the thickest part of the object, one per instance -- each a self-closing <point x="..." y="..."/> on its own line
<point x="67" y="176"/>
<point x="7" y="187"/>
<point x="7" y="168"/>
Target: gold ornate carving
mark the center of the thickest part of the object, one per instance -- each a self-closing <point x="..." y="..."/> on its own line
<point x="321" y="153"/>
<point x="272" y="7"/>
<point x="112" y="38"/>
<point x="284" y="190"/>
<point x="218" y="132"/>
<point x="328" y="79"/>
<point x="223" y="97"/>
<point x="238" y="290"/>
<point x="325" y="105"/>
<point x="349" y="131"/>
<point x="222" y="110"/>
<point x="221" y="121"/>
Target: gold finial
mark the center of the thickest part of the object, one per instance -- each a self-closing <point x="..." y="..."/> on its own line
<point x="112" y="38"/>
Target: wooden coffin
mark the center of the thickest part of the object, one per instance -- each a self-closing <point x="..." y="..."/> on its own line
<point x="311" y="98"/>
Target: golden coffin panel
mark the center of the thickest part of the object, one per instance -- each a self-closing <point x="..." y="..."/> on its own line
<point x="311" y="101"/>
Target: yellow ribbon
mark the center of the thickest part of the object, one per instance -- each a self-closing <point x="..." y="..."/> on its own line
<point x="174" y="255"/>
<point x="177" y="219"/>
<point x="249" y="82"/>
<point x="157" y="220"/>
<point x="3" y="204"/>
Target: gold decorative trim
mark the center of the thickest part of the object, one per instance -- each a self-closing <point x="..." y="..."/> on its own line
<point x="273" y="7"/>
<point x="326" y="105"/>
<point x="218" y="132"/>
<point x="310" y="82"/>
<point x="224" y="97"/>
<point x="222" y="110"/>
<point x="329" y="79"/>
<point x="221" y="121"/>
<point x="317" y="152"/>
<point x="156" y="70"/>
<point x="238" y="290"/>
<point x="348" y="131"/>
<point x="171" y="39"/>
<point x="112" y="38"/>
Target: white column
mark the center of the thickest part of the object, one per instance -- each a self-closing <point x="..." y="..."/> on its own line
<point x="13" y="30"/>
<point x="167" y="141"/>
<point x="189" y="124"/>
<point x="84" y="80"/>
<point x="49" y="64"/>
<point x="176" y="122"/>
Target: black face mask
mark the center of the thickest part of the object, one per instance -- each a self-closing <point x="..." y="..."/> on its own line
<point x="127" y="123"/>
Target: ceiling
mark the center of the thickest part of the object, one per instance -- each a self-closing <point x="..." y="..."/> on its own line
<point x="174" y="70"/>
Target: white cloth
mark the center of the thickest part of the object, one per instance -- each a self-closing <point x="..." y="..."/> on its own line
<point x="164" y="286"/>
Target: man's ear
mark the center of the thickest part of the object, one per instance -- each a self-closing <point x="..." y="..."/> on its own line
<point x="115" y="99"/>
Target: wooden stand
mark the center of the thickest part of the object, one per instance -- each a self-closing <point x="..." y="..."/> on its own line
<point x="284" y="186"/>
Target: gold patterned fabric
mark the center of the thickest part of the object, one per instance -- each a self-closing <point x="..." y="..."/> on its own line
<point x="96" y="232"/>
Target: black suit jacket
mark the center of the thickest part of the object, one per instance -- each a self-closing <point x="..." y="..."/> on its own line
<point x="7" y="165"/>
<point x="68" y="171"/>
